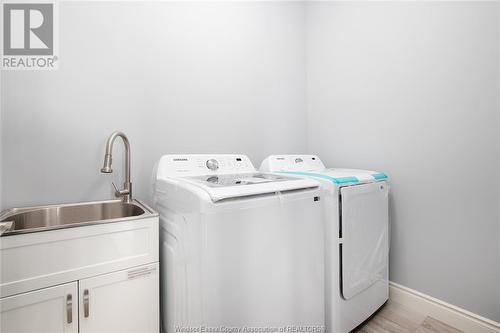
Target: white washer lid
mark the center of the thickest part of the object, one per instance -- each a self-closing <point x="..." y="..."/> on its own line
<point x="220" y="187"/>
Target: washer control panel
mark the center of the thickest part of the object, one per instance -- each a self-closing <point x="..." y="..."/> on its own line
<point x="203" y="164"/>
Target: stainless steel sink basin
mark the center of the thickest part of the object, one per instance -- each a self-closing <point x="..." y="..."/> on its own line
<point x="34" y="219"/>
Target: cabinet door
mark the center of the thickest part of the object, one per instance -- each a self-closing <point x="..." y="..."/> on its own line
<point x="123" y="301"/>
<point x="50" y="310"/>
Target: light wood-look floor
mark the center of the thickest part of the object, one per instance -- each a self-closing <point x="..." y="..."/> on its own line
<point x="394" y="318"/>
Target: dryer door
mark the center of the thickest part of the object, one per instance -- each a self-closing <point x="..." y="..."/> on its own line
<point x="365" y="245"/>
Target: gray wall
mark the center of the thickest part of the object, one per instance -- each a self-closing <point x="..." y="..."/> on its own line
<point x="413" y="88"/>
<point x="192" y="77"/>
<point x="409" y="88"/>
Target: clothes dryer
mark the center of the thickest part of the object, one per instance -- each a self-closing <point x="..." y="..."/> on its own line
<point x="356" y="237"/>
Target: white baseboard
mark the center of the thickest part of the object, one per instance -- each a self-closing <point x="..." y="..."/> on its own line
<point x="452" y="315"/>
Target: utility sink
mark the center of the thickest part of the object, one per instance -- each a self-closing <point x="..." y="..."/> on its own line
<point x="52" y="245"/>
<point x="34" y="219"/>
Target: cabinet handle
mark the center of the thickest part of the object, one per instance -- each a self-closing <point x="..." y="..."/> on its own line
<point x="69" y="308"/>
<point x="86" y="298"/>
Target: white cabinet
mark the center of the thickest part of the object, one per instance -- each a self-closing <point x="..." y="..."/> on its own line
<point x="111" y="267"/>
<point x="50" y="310"/>
<point x="124" y="301"/>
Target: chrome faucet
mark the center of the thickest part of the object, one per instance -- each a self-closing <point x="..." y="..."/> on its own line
<point x="126" y="193"/>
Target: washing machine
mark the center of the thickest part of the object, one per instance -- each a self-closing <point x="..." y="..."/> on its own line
<point x="239" y="250"/>
<point x="356" y="237"/>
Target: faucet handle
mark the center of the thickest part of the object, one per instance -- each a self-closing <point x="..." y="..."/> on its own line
<point x="120" y="193"/>
<point x="117" y="191"/>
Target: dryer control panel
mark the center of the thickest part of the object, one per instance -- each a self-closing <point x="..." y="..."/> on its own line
<point x="275" y="163"/>
<point x="203" y="164"/>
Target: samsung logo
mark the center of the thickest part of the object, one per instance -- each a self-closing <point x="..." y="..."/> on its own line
<point x="180" y="159"/>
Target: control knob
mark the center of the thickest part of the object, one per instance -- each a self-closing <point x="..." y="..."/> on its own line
<point x="212" y="164"/>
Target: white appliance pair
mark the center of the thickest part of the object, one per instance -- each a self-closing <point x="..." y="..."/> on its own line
<point x="287" y="251"/>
